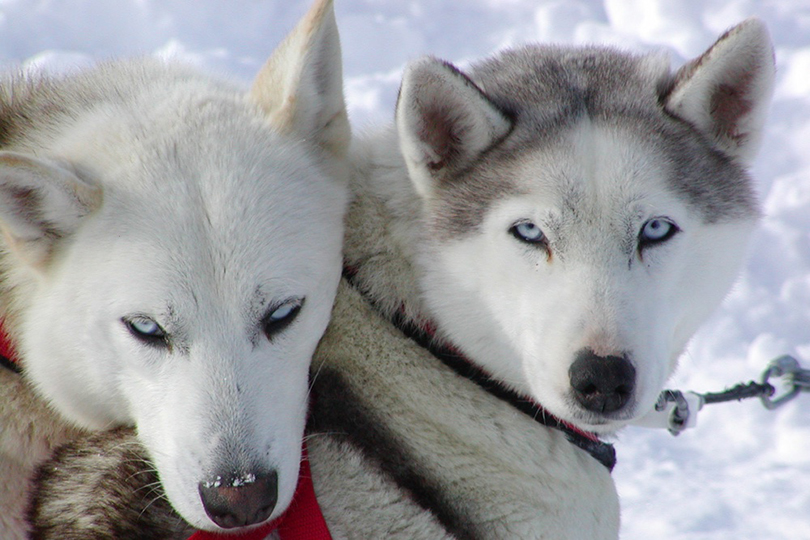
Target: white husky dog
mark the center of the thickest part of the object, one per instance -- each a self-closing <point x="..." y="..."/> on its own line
<point x="172" y="248"/>
<point x="564" y="218"/>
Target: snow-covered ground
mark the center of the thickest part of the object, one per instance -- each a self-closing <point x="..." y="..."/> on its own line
<point x="744" y="473"/>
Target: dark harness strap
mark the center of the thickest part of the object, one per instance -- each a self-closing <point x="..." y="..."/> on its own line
<point x="601" y="451"/>
<point x="8" y="364"/>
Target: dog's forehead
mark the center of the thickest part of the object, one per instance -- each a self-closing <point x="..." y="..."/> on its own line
<point x="555" y="85"/>
<point x="591" y="163"/>
<point x="620" y="159"/>
<point x="553" y="91"/>
<point x="216" y="199"/>
<point x="587" y="114"/>
<point x="596" y="182"/>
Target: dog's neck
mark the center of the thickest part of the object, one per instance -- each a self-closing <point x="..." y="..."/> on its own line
<point x="384" y="229"/>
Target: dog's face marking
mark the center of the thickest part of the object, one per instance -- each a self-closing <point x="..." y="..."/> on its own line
<point x="179" y="244"/>
<point x="565" y="224"/>
<point x="597" y="253"/>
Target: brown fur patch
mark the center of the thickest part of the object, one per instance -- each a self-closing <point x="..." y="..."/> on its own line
<point x="103" y="487"/>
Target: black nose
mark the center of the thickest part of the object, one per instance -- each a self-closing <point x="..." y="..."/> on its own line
<point x="602" y="384"/>
<point x="239" y="500"/>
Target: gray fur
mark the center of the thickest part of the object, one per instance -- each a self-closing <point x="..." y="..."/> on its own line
<point x="547" y="91"/>
<point x="27" y="436"/>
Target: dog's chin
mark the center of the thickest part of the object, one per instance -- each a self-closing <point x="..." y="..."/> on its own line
<point x="602" y="427"/>
<point x="601" y="424"/>
<point x="193" y="513"/>
<point x="200" y="521"/>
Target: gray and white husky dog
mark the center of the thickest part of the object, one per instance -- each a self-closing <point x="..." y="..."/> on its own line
<point x="564" y="219"/>
<point x="171" y="249"/>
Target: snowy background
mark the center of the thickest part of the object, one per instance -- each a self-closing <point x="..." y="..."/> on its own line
<point x="744" y="473"/>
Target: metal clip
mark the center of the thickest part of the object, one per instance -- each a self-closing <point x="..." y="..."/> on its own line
<point x="796" y="378"/>
<point x="675" y="410"/>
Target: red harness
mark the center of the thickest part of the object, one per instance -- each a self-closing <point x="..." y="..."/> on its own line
<point x="303" y="519"/>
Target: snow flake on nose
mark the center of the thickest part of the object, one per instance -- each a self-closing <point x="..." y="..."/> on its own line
<point x="215" y="483"/>
<point x="244" y="480"/>
<point x="235" y="482"/>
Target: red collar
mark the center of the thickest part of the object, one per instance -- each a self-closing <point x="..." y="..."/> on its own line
<point x="303" y="519"/>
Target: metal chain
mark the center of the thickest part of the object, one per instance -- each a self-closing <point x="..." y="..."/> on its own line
<point x="679" y="409"/>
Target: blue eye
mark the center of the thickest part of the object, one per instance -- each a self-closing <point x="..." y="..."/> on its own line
<point x="528" y="232"/>
<point x="283" y="312"/>
<point x="145" y="326"/>
<point x="656" y="231"/>
<point x="146" y="330"/>
<point x="280" y="316"/>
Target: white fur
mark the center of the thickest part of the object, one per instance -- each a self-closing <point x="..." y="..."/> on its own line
<point x="168" y="195"/>
<point x="503" y="474"/>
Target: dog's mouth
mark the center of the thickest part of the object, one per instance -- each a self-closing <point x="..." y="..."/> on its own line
<point x="600" y="423"/>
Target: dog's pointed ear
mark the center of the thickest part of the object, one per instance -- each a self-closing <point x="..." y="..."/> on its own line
<point x="444" y="122"/>
<point x="40" y="203"/>
<point x="725" y="93"/>
<point x="300" y="87"/>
